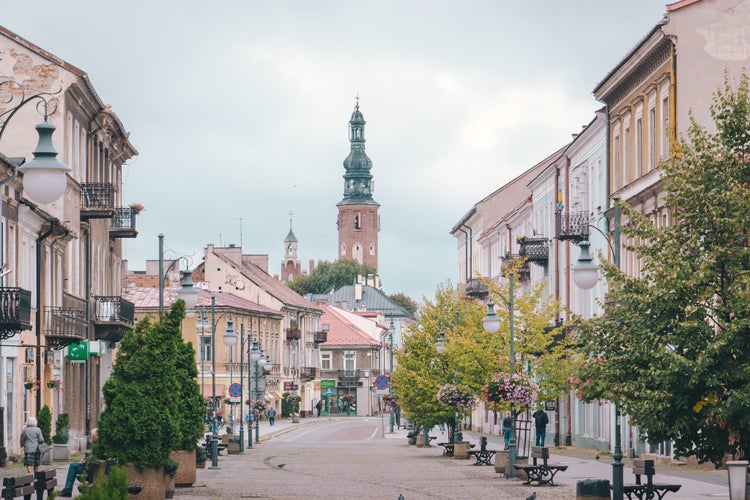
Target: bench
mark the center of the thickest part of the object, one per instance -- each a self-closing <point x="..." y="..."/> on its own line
<point x="46" y="480"/>
<point x="483" y="455"/>
<point x="447" y="449"/>
<point x="18" y="486"/>
<point x="207" y="445"/>
<point x="543" y="473"/>
<point x="645" y="467"/>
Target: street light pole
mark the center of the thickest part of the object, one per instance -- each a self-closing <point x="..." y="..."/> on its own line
<point x="491" y="324"/>
<point x="586" y="275"/>
<point x="214" y="430"/>
<point x="390" y="373"/>
<point x="242" y="390"/>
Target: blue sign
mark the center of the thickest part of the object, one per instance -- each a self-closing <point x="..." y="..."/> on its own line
<point x="235" y="390"/>
<point x="329" y="390"/>
<point x="382" y="382"/>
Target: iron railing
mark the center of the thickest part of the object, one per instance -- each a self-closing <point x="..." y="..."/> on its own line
<point x="15" y="311"/>
<point x="534" y="249"/>
<point x="573" y="226"/>
<point x="64" y="326"/>
<point x="98" y="196"/>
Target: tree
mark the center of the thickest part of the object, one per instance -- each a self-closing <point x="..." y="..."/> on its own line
<point x="141" y="423"/>
<point x="329" y="275"/>
<point x="404" y="301"/>
<point x="673" y="346"/>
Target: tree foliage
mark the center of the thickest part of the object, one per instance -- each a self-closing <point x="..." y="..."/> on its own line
<point x="329" y="275"/>
<point x="404" y="301"/>
<point x="673" y="347"/>
<point x="471" y="354"/>
<point x="150" y="408"/>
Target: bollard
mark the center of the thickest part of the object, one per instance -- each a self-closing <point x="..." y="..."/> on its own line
<point x="592" y="489"/>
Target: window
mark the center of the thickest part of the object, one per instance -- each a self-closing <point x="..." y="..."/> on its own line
<point x="325" y="360"/>
<point x="616" y="162"/>
<point x="357" y="225"/>
<point x="205" y="348"/>
<point x="665" y="127"/>
<point x="626" y="157"/>
<point x="350" y="361"/>
<point x="638" y="147"/>
<point x="651" y="138"/>
<point x="372" y="248"/>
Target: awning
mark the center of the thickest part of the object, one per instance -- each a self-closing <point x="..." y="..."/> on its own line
<point x="208" y="390"/>
<point x="278" y="395"/>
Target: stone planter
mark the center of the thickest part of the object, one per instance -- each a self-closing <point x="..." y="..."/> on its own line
<point x="169" y="486"/>
<point x="151" y="481"/>
<point x="412" y="441"/>
<point x="420" y="441"/>
<point x="60" y="452"/>
<point x="185" y="475"/>
<point x="501" y="463"/>
<point x="461" y="451"/>
<point x="295" y="419"/>
<point x="46" y="458"/>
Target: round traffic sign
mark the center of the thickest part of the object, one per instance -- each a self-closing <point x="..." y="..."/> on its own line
<point x="235" y="390"/>
<point x="382" y="382"/>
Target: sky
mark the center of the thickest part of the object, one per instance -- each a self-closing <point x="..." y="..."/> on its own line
<point x="240" y="110"/>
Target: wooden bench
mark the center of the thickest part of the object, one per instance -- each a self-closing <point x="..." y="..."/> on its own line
<point x="543" y="473"/>
<point x="645" y="467"/>
<point x="18" y="486"/>
<point x="46" y="480"/>
<point x="483" y="455"/>
<point x="447" y="449"/>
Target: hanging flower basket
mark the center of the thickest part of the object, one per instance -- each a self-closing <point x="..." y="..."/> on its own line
<point x="54" y="384"/>
<point x="137" y="208"/>
<point x="257" y="406"/>
<point x="519" y="389"/>
<point x="31" y="384"/>
<point x="390" y="400"/>
<point x="459" y="397"/>
<point x="348" y="398"/>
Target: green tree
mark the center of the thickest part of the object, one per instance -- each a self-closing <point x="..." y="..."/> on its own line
<point x="673" y="346"/>
<point x="44" y="420"/>
<point x="329" y="275"/>
<point x="404" y="301"/>
<point x="140" y="423"/>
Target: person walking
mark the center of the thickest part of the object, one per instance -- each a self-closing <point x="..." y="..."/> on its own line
<point x="319" y="406"/>
<point x="540" y="422"/>
<point x="271" y="416"/>
<point x="507" y="425"/>
<point x="31" y="438"/>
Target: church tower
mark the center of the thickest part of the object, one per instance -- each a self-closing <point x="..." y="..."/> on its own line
<point x="290" y="265"/>
<point x="359" y="221"/>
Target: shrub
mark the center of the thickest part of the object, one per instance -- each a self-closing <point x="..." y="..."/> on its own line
<point x="44" y="420"/>
<point x="62" y="429"/>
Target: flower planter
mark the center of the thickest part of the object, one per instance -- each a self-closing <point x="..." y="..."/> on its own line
<point x="186" y="461"/>
<point x="28" y="385"/>
<point x="60" y="452"/>
<point x="151" y="481"/>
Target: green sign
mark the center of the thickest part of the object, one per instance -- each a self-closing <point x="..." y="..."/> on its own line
<point x="79" y="351"/>
<point x="324" y="384"/>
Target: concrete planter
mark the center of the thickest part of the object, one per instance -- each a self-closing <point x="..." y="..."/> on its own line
<point x="185" y="475"/>
<point x="502" y="463"/>
<point x="461" y="451"/>
<point x="60" y="452"/>
<point x="151" y="481"/>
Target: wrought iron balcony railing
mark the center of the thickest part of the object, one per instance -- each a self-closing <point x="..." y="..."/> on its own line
<point x="511" y="260"/>
<point x="97" y="200"/>
<point x="113" y="316"/>
<point x="476" y="288"/>
<point x="320" y="337"/>
<point x="534" y="249"/>
<point x="64" y="326"/>
<point x="122" y="224"/>
<point x="15" y="311"/>
<point x="293" y="334"/>
<point x="308" y="372"/>
<point x="573" y="226"/>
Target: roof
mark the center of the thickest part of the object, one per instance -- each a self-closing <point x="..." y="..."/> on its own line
<point x="372" y="300"/>
<point x="148" y="298"/>
<point x="342" y="329"/>
<point x="269" y="284"/>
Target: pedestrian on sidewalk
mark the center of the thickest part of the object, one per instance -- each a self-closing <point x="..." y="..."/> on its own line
<point x="507" y="426"/>
<point x="31" y="438"/>
<point x="319" y="406"/>
<point x="540" y="422"/>
<point x="271" y="416"/>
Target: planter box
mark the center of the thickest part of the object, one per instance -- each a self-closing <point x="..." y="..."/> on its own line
<point x="185" y="475"/>
<point x="60" y="452"/>
<point x="46" y="458"/>
<point x="461" y="451"/>
<point x="151" y="481"/>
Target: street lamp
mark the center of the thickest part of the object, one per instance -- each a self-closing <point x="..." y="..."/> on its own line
<point x="491" y="324"/>
<point x="253" y="355"/>
<point x="391" y="331"/>
<point x="586" y="275"/>
<point x="229" y="338"/>
<point x="264" y="364"/>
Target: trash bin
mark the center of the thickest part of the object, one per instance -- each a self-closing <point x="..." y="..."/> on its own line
<point x="592" y="489"/>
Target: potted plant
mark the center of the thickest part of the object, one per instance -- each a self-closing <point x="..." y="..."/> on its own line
<point x="31" y="384"/>
<point x="200" y="457"/>
<point x="459" y="397"/>
<point x="504" y="389"/>
<point x="348" y="400"/>
<point x="44" y="420"/>
<point x="54" y="384"/>
<point x="141" y="422"/>
<point x="293" y="400"/>
<point x="60" y="449"/>
<point x="137" y="208"/>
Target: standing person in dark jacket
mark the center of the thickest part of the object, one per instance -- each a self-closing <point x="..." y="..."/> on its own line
<point x="540" y="422"/>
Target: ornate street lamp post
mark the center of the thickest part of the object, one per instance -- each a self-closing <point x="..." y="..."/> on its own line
<point x="586" y="275"/>
<point x="491" y="324"/>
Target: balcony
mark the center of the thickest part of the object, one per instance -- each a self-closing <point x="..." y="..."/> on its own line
<point x="511" y="261"/>
<point x="113" y="317"/>
<point x="15" y="311"/>
<point x="320" y="337"/>
<point x="64" y="326"/>
<point x="122" y="224"/>
<point x="572" y="226"/>
<point x="534" y="250"/>
<point x="308" y="373"/>
<point x="97" y="201"/>
<point x="293" y="334"/>
<point x="476" y="289"/>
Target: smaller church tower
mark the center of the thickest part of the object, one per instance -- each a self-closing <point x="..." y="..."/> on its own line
<point x="290" y="265"/>
<point x="358" y="222"/>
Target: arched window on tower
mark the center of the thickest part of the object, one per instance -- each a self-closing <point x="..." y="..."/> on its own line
<point x="372" y="248"/>
<point x="343" y="249"/>
<point x="356" y="222"/>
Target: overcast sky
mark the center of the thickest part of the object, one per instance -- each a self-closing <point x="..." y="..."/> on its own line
<point x="240" y="109"/>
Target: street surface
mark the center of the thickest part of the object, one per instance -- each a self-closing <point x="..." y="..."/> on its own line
<point x="353" y="458"/>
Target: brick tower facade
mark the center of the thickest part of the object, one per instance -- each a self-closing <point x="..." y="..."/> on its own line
<point x="290" y="264"/>
<point x="358" y="222"/>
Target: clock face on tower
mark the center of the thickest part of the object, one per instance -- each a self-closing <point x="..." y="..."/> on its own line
<point x="290" y="250"/>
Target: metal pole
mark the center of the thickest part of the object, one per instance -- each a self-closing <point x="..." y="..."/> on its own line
<point x="257" y="393"/>
<point x="617" y="464"/>
<point x="242" y="390"/>
<point x="251" y="396"/>
<point x="161" y="274"/>
<point x="456" y="431"/>
<point x="512" y="440"/>
<point x="214" y="430"/>
<point x="390" y="375"/>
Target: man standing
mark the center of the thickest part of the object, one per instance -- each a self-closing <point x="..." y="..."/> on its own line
<point x="540" y="422"/>
<point x="319" y="406"/>
<point x="271" y="416"/>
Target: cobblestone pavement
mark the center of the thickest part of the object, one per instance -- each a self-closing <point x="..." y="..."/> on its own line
<point x="353" y="458"/>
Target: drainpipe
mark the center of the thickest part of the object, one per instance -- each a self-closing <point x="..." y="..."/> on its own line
<point x="466" y="255"/>
<point x="470" y="250"/>
<point x="39" y="257"/>
<point x="89" y="338"/>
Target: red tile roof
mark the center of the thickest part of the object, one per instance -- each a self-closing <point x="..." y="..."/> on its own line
<point x="342" y="331"/>
<point x="148" y="298"/>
